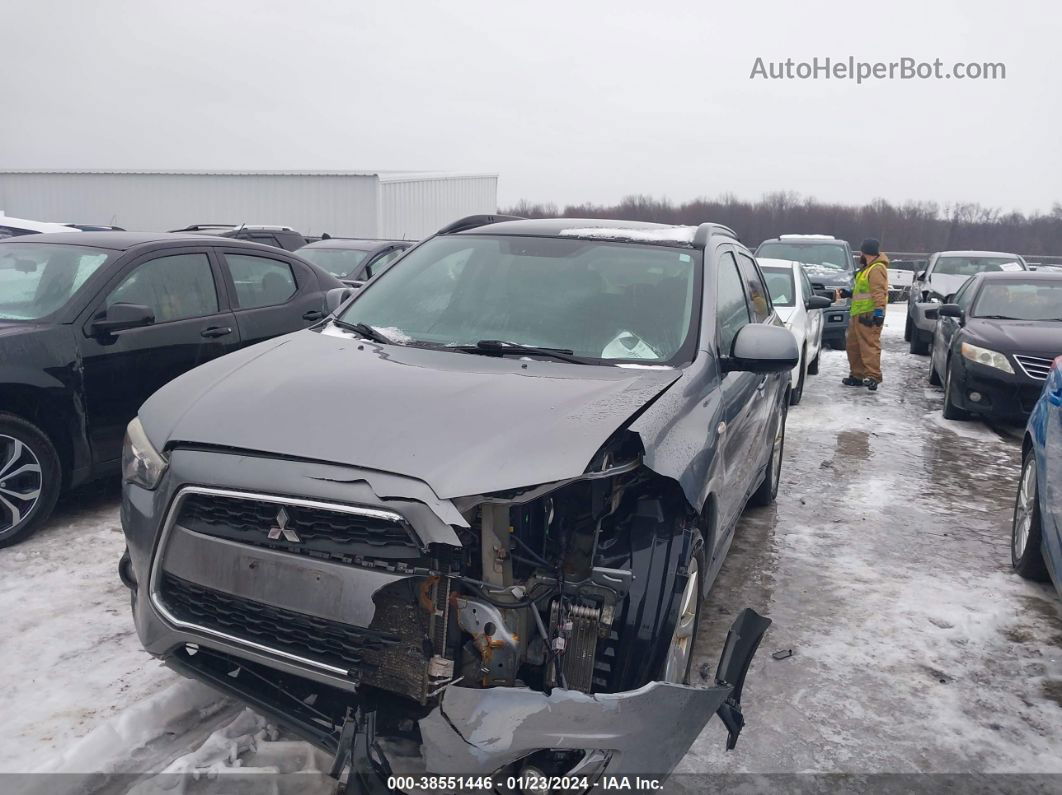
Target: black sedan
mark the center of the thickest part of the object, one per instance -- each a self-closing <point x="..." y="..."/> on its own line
<point x="91" y="323"/>
<point x="354" y="261"/>
<point x="994" y="343"/>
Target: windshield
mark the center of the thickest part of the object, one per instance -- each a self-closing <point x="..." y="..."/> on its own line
<point x="340" y="262"/>
<point x="36" y="279"/>
<point x="599" y="300"/>
<point x="968" y="266"/>
<point x="830" y="255"/>
<point x="780" y="286"/>
<point x="1016" y="301"/>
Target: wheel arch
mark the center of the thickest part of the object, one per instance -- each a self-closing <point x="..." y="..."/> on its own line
<point x="34" y="404"/>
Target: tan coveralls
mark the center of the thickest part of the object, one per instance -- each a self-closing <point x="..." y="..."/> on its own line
<point x="864" y="342"/>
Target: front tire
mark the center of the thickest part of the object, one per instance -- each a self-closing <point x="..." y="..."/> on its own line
<point x="796" y="394"/>
<point x="768" y="489"/>
<point x="679" y="657"/>
<point x="907" y="328"/>
<point x="813" y="368"/>
<point x="934" y="379"/>
<point x="950" y="410"/>
<point x="30" y="478"/>
<point x="1026" y="534"/>
<point x="919" y="344"/>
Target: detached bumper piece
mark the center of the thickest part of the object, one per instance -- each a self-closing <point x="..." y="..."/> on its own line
<point x="647" y="731"/>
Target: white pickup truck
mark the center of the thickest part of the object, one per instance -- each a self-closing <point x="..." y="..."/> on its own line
<point x="901" y="276"/>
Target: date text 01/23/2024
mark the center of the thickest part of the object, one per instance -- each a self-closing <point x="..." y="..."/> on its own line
<point x="521" y="783"/>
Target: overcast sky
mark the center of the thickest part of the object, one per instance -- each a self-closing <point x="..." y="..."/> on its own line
<point x="568" y="101"/>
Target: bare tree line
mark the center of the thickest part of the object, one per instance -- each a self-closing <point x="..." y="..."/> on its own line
<point x="909" y="227"/>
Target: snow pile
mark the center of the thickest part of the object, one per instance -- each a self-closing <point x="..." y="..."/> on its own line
<point x="105" y="748"/>
<point x="244" y="756"/>
<point x="667" y="234"/>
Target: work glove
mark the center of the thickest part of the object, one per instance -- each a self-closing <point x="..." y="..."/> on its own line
<point x="866" y="320"/>
<point x="879" y="317"/>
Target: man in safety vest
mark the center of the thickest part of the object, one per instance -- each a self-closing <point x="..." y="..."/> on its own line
<point x="870" y="295"/>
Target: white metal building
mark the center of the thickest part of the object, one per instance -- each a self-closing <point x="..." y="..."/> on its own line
<point x="388" y="204"/>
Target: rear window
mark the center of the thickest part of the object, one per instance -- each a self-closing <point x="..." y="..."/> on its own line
<point x="780" y="285"/>
<point x="37" y="279"/>
<point x="340" y="262"/>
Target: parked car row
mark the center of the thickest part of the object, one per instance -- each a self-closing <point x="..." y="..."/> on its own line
<point x="995" y="345"/>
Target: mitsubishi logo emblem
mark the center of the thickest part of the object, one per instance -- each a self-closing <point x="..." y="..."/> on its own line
<point x="282" y="529"/>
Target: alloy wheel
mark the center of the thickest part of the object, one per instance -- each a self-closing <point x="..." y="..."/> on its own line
<point x="20" y="481"/>
<point x="681" y="646"/>
<point x="1024" y="509"/>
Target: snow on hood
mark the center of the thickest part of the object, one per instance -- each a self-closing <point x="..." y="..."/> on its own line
<point x="667" y="234"/>
<point x="463" y="424"/>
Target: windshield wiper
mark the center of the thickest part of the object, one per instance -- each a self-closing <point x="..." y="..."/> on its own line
<point x="504" y="347"/>
<point x="365" y="330"/>
<point x="996" y="317"/>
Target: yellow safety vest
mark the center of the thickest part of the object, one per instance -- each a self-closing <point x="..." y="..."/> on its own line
<point x="862" y="301"/>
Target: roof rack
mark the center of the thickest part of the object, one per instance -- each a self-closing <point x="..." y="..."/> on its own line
<point x="705" y="231"/>
<point x="473" y="221"/>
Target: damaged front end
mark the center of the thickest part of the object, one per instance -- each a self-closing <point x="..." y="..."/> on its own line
<point x="532" y="630"/>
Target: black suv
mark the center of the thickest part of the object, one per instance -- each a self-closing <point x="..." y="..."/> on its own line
<point x="279" y="236"/>
<point x="91" y="323"/>
<point x="563" y="421"/>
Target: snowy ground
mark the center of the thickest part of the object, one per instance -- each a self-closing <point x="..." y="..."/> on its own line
<point x="884" y="566"/>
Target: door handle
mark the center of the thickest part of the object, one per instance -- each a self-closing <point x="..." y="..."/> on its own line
<point x="313" y="314"/>
<point x="215" y="331"/>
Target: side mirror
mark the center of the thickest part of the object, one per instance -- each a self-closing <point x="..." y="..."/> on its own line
<point x="120" y="317"/>
<point x="818" y="302"/>
<point x="951" y="310"/>
<point x="932" y="312"/>
<point x="920" y="276"/>
<point x="338" y="296"/>
<point x="763" y="349"/>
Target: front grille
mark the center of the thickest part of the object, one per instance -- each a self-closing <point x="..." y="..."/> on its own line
<point x="335" y="534"/>
<point x="318" y="639"/>
<point x="1035" y="366"/>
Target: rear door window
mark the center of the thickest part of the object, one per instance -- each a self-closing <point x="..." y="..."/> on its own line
<point x="260" y="281"/>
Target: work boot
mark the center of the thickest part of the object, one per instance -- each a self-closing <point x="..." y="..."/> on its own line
<point x="850" y="381"/>
<point x="870" y="384"/>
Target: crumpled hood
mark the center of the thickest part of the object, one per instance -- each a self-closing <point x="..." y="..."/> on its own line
<point x="1036" y="338"/>
<point x="946" y="283"/>
<point x="464" y="424"/>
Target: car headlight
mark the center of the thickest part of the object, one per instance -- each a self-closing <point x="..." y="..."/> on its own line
<point x="988" y="358"/>
<point x="142" y="464"/>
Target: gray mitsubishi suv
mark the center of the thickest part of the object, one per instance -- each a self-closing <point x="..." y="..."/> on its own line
<point x="466" y="523"/>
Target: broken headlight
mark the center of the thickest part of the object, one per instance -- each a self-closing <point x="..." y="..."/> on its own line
<point x="142" y="464"/>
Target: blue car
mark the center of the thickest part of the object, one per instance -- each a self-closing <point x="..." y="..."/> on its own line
<point x="1036" y="537"/>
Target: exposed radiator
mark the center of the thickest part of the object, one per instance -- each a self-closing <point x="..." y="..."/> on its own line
<point x="580" y="644"/>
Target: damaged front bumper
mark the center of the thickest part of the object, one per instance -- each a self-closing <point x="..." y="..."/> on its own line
<point x="645" y="732"/>
<point x="253" y="622"/>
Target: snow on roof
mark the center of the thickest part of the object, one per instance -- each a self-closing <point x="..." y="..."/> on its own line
<point x="815" y="237"/>
<point x="664" y="234"/>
